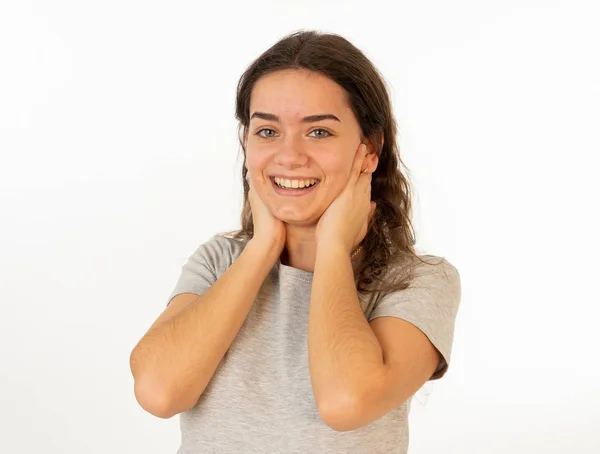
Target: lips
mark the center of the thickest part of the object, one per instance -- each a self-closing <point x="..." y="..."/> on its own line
<point x="293" y="192"/>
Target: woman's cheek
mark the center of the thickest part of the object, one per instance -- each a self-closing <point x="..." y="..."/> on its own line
<point x="256" y="157"/>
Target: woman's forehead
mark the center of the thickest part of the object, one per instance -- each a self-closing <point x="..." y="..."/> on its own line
<point x="293" y="95"/>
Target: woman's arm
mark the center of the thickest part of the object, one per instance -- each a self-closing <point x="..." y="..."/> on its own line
<point x="361" y="370"/>
<point x="344" y="354"/>
<point x="176" y="359"/>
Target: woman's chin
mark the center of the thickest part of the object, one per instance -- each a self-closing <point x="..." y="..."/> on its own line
<point x="298" y="219"/>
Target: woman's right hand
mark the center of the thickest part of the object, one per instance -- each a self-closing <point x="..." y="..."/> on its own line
<point x="268" y="229"/>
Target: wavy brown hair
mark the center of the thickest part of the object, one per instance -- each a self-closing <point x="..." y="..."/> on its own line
<point x="390" y="237"/>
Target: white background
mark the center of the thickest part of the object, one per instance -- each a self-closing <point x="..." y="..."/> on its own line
<point x="119" y="156"/>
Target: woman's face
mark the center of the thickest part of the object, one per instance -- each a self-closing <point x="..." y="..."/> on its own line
<point x="285" y="145"/>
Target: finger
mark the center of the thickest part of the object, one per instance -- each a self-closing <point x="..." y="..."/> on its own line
<point x="365" y="162"/>
<point x="359" y="160"/>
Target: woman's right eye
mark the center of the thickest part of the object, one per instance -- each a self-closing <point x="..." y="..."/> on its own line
<point x="264" y="129"/>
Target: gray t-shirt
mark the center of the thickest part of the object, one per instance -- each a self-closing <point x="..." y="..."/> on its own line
<point x="260" y="398"/>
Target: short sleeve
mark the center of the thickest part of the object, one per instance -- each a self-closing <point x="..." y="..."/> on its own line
<point x="203" y="267"/>
<point x="431" y="303"/>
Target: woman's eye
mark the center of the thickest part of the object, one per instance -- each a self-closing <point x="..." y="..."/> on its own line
<point x="269" y="136"/>
<point x="322" y="130"/>
<point x="265" y="129"/>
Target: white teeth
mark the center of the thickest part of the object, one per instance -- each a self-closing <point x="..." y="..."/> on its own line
<point x="294" y="184"/>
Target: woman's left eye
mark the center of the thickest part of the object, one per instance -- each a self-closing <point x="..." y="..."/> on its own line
<point x="322" y="130"/>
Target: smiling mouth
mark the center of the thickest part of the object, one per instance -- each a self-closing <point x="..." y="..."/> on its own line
<point x="316" y="181"/>
<point x="293" y="191"/>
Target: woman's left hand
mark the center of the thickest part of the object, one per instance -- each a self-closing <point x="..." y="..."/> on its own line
<point x="346" y="220"/>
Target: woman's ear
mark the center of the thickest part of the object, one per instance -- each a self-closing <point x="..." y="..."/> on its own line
<point x="374" y="152"/>
<point x="376" y="160"/>
<point x="374" y="146"/>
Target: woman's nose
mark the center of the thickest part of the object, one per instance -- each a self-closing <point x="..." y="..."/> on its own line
<point x="291" y="153"/>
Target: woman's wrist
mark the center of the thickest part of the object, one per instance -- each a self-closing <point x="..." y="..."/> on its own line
<point x="265" y="248"/>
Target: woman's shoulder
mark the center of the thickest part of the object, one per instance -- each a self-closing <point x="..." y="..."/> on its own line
<point x="218" y="252"/>
<point x="228" y="244"/>
<point x="416" y="270"/>
<point x="434" y="264"/>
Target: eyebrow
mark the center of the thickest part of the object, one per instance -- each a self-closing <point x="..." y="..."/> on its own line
<point x="309" y="119"/>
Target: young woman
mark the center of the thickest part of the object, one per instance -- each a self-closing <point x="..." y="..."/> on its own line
<point x="311" y="328"/>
